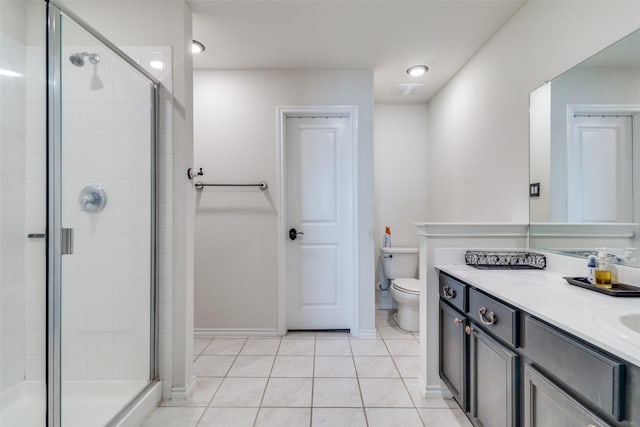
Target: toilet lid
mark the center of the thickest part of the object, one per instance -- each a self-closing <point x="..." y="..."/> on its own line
<point x="407" y="285"/>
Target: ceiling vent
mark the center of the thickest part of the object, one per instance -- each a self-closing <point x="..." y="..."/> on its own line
<point x="406" y="89"/>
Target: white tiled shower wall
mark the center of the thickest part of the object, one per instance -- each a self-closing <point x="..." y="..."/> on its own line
<point x="12" y="219"/>
<point x="105" y="306"/>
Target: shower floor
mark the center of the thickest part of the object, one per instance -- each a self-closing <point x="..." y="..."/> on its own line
<point x="84" y="403"/>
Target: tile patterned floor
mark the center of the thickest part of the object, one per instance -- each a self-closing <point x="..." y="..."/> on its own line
<point x="309" y="379"/>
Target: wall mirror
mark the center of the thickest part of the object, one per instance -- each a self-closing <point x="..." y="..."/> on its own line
<point x="585" y="156"/>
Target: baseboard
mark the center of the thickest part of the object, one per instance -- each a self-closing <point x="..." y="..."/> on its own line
<point x="367" y="333"/>
<point x="182" y="393"/>
<point x="253" y="332"/>
<point x="432" y="391"/>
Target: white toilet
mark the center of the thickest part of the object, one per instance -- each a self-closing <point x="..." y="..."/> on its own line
<point x="400" y="265"/>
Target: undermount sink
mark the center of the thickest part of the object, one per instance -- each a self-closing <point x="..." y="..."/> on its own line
<point x="625" y="325"/>
<point x="631" y="321"/>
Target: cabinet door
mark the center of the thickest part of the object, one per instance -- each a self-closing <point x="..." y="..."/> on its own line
<point x="493" y="376"/>
<point x="546" y="405"/>
<point x="453" y="353"/>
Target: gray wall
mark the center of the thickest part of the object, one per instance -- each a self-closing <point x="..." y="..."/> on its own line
<point x="236" y="140"/>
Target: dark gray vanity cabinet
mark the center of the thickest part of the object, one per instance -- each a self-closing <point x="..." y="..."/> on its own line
<point x="453" y="351"/>
<point x="512" y="369"/>
<point x="480" y="371"/>
<point x="493" y="362"/>
<point x="546" y="405"/>
<point x="493" y="375"/>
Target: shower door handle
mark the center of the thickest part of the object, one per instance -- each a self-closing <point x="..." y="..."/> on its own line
<point x="67" y="241"/>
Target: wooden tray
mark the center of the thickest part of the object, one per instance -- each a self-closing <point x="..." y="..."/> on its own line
<point x="617" y="290"/>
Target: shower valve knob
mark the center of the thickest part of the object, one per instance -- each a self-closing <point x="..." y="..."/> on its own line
<point x="92" y="198"/>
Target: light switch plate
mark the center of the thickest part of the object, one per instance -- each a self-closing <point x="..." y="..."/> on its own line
<point x="534" y="189"/>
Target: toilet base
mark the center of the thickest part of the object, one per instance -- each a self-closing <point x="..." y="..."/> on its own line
<point x="408" y="318"/>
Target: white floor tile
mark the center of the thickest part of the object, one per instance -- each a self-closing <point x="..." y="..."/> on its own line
<point x="332" y="335"/>
<point x="297" y="347"/>
<point x="391" y="333"/>
<point x="334" y="367"/>
<point x="409" y="367"/>
<point x="348" y="381"/>
<point x="444" y="418"/>
<point x="338" y="417"/>
<point x="174" y="417"/>
<point x="203" y="390"/>
<point x="407" y="347"/>
<point x="212" y="366"/>
<point x="200" y="344"/>
<point x="240" y="392"/>
<point x="280" y="417"/>
<point x="300" y="335"/>
<point x="392" y="417"/>
<point x="293" y="366"/>
<point x="288" y="392"/>
<point x="251" y="366"/>
<point x="384" y="393"/>
<point x="375" y="367"/>
<point x="224" y="347"/>
<point x="228" y="417"/>
<point x="260" y="347"/>
<point x="369" y="348"/>
<point x="336" y="393"/>
<point x="333" y="348"/>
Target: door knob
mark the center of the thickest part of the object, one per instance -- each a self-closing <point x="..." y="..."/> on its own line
<point x="293" y="233"/>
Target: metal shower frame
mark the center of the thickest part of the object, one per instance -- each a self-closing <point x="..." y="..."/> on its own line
<point x="54" y="13"/>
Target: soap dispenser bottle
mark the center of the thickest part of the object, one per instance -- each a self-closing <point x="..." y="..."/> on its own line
<point x="603" y="271"/>
<point x="591" y="269"/>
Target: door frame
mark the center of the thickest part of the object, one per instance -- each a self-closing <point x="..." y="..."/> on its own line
<point x="282" y="113"/>
<point x="632" y="110"/>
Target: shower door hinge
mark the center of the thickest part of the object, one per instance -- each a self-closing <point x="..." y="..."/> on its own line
<point x="67" y="241"/>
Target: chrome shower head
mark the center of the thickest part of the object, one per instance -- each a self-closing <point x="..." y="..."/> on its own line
<point x="77" y="59"/>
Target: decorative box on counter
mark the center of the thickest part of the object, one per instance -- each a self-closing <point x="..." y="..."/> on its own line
<point x="505" y="260"/>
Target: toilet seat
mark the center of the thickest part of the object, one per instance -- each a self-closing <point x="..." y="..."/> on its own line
<point x="407" y="286"/>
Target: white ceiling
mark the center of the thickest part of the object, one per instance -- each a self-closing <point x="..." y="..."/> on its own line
<point x="386" y="36"/>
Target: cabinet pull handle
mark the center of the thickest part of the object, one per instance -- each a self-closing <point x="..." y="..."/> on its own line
<point x="487" y="318"/>
<point x="457" y="321"/>
<point x="468" y="330"/>
<point x="448" y="292"/>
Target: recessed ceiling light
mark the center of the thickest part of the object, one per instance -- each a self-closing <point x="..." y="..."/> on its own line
<point x="197" y="47"/>
<point x="158" y="65"/>
<point x="417" y="70"/>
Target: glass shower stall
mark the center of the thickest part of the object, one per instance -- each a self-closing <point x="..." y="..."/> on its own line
<point x="78" y="226"/>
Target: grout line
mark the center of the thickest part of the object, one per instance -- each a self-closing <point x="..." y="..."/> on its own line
<point x="264" y="392"/>
<point x="313" y="378"/>
<point x="353" y="360"/>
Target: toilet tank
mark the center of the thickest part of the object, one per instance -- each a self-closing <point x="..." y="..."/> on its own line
<point x="400" y="262"/>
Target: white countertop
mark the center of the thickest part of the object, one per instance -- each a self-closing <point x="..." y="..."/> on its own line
<point x="545" y="294"/>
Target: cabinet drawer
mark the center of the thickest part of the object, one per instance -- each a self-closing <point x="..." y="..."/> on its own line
<point x="545" y="405"/>
<point x="496" y="317"/>
<point x="598" y="378"/>
<point x="453" y="291"/>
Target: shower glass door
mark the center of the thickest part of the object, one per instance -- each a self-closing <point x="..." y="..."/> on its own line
<point x="102" y="217"/>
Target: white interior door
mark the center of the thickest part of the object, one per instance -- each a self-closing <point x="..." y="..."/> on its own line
<point x="319" y="181"/>
<point x="600" y="172"/>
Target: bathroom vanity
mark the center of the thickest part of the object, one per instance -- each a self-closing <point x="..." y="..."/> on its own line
<point x="524" y="348"/>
